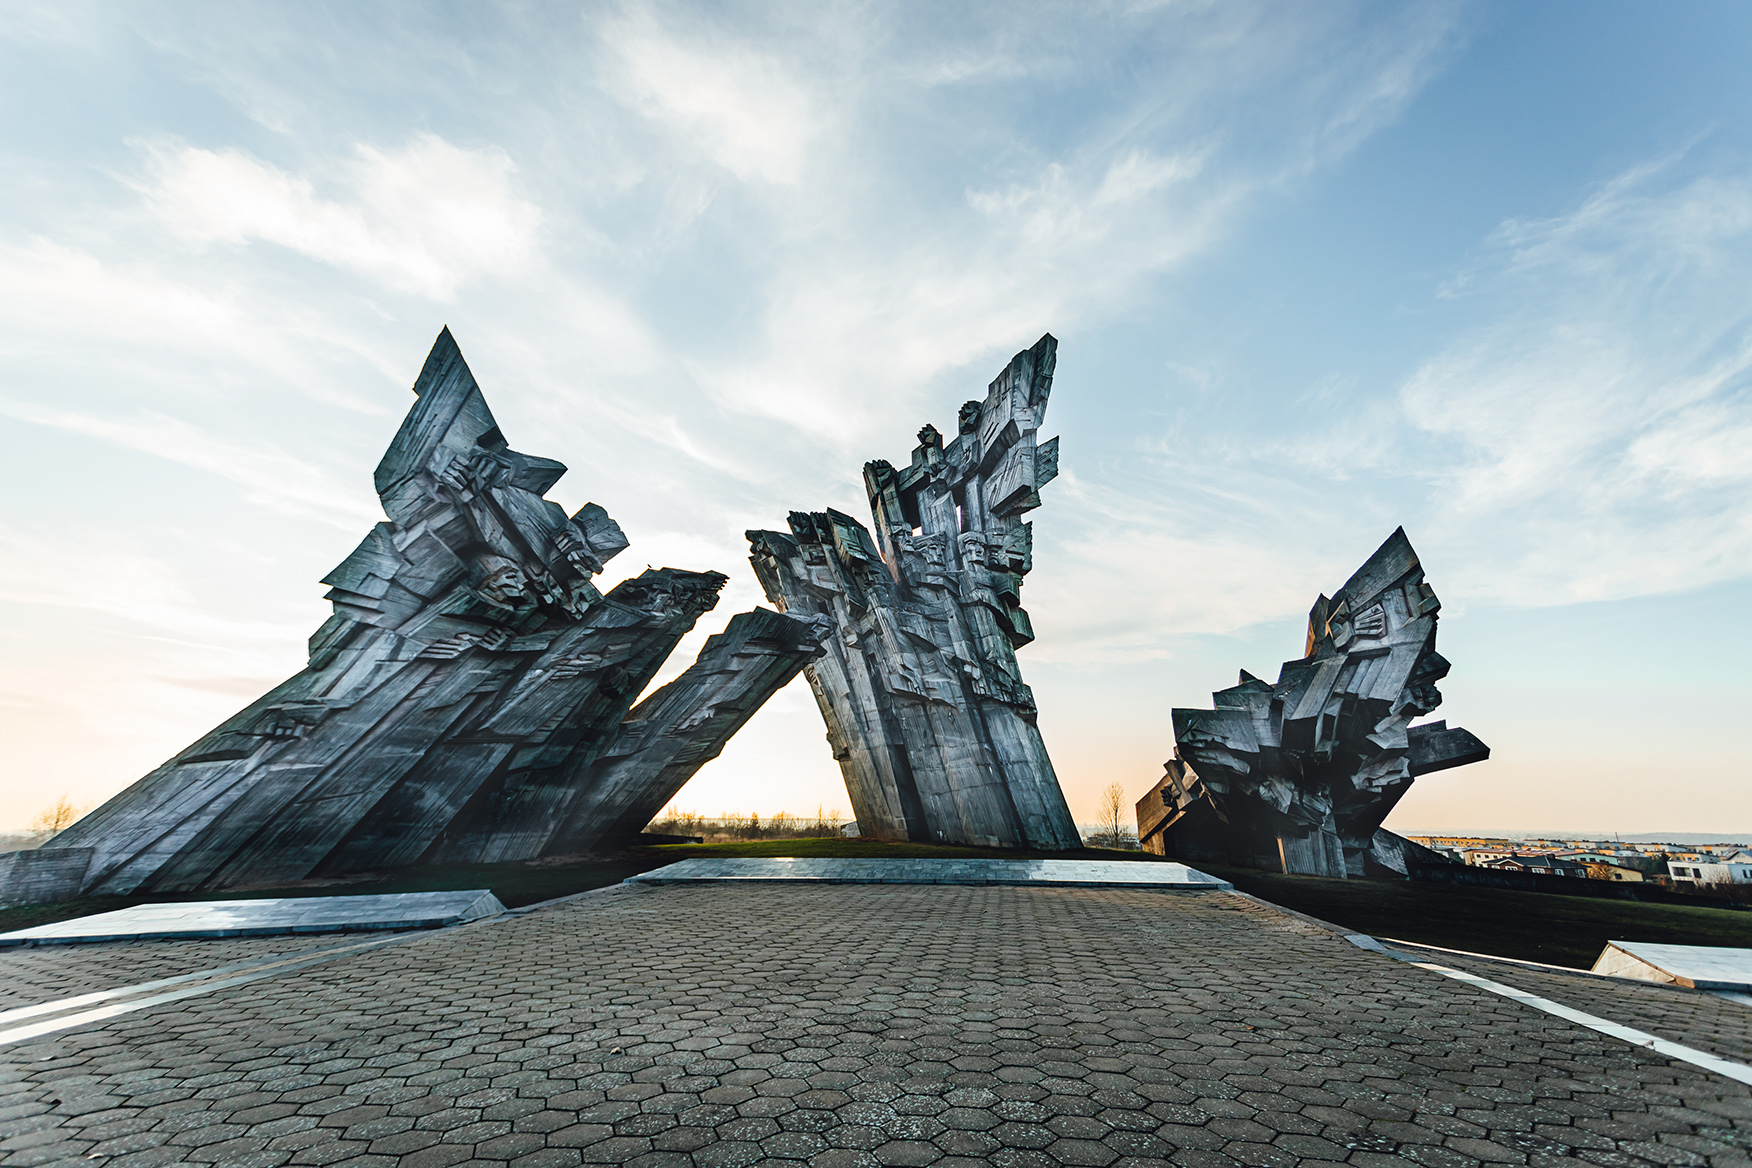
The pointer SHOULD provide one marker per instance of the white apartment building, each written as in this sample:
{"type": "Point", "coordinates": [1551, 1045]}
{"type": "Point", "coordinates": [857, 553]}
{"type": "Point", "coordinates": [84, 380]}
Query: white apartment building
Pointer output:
{"type": "Point", "coordinates": [1733, 869]}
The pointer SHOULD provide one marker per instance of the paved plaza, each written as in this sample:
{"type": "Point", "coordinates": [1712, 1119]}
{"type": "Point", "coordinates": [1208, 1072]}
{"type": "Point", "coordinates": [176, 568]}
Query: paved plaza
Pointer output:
{"type": "Point", "coordinates": [841, 1024]}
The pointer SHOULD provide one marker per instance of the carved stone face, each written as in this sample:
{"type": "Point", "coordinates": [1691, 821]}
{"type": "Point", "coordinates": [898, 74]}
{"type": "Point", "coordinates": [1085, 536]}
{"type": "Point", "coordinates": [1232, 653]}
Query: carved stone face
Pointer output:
{"type": "Point", "coordinates": [501, 581]}
{"type": "Point", "coordinates": [973, 551]}
{"type": "Point", "coordinates": [873, 578]}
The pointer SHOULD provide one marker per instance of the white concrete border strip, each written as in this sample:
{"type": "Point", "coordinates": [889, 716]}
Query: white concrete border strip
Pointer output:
{"type": "Point", "coordinates": [1569, 971]}
{"type": "Point", "coordinates": [64, 1004]}
{"type": "Point", "coordinates": [206, 981]}
{"type": "Point", "coordinates": [1739, 1072]}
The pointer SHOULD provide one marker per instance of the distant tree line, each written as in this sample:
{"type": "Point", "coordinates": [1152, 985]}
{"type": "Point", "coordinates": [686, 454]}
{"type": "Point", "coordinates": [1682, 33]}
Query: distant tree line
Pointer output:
{"type": "Point", "coordinates": [733, 825]}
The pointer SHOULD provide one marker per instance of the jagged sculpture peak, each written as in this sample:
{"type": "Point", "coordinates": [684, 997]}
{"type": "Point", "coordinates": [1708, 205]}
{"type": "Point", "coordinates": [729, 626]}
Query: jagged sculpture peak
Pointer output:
{"type": "Point", "coordinates": [926, 710]}
{"type": "Point", "coordinates": [470, 700]}
{"type": "Point", "coordinates": [1299, 775]}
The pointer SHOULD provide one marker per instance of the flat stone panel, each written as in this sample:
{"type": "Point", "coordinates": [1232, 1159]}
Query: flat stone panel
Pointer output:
{"type": "Point", "coordinates": [1060, 873]}
{"type": "Point", "coordinates": [1704, 967]}
{"type": "Point", "coordinates": [181, 920]}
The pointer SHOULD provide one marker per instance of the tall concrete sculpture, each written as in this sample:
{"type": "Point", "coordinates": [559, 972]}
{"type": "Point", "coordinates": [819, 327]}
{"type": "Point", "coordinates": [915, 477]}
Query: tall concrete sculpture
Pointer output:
{"type": "Point", "coordinates": [471, 698]}
{"type": "Point", "coordinates": [925, 707]}
{"type": "Point", "coordinates": [1299, 775]}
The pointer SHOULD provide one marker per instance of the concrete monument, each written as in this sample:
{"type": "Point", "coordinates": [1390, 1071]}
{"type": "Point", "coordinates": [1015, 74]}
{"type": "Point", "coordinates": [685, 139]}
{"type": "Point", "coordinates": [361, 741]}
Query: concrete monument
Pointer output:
{"type": "Point", "coordinates": [470, 700]}
{"type": "Point", "coordinates": [926, 709]}
{"type": "Point", "coordinates": [1298, 776]}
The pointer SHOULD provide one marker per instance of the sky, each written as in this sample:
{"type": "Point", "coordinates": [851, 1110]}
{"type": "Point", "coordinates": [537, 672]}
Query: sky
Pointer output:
{"type": "Point", "coordinates": [1316, 271]}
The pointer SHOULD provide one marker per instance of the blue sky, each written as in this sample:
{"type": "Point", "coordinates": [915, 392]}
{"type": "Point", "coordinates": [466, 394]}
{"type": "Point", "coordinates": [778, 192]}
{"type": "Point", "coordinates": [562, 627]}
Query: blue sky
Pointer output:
{"type": "Point", "coordinates": [1316, 271]}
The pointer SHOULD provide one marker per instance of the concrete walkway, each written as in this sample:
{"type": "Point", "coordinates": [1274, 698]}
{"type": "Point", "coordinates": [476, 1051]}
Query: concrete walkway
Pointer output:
{"type": "Point", "coordinates": [844, 1024]}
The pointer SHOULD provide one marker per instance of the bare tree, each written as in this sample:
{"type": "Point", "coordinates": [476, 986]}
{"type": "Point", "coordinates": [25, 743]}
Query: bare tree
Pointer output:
{"type": "Point", "coordinates": [1113, 810]}
{"type": "Point", "coordinates": [59, 817]}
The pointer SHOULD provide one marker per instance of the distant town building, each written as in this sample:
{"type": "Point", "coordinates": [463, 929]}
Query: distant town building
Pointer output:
{"type": "Point", "coordinates": [1735, 868]}
{"type": "Point", "coordinates": [1593, 857]}
{"type": "Point", "coordinates": [1666, 864]}
{"type": "Point", "coordinates": [1542, 865]}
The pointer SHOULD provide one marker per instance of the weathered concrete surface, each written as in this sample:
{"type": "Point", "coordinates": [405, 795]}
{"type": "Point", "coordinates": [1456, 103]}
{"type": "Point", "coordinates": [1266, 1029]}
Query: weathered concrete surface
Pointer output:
{"type": "Point", "coordinates": [465, 702]}
{"type": "Point", "coordinates": [856, 1025]}
{"type": "Point", "coordinates": [36, 876]}
{"type": "Point", "coordinates": [1297, 776]}
{"type": "Point", "coordinates": [926, 710]}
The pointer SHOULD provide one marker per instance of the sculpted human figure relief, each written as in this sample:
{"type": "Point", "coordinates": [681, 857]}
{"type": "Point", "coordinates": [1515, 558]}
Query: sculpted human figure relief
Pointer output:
{"type": "Point", "coordinates": [926, 710]}
{"type": "Point", "coordinates": [1300, 775]}
{"type": "Point", "coordinates": [470, 700]}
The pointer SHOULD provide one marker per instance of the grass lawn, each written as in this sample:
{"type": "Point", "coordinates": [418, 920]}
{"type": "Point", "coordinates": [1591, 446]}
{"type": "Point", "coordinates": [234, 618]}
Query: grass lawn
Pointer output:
{"type": "Point", "coordinates": [1533, 926]}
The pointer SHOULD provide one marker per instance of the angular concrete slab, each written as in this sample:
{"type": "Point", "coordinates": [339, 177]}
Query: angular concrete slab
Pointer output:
{"type": "Point", "coordinates": [260, 918]}
{"type": "Point", "coordinates": [1701, 967]}
{"type": "Point", "coordinates": [1063, 873]}
{"type": "Point", "coordinates": [468, 701]}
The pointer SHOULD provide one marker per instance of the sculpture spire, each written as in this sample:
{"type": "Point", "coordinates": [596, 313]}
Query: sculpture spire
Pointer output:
{"type": "Point", "coordinates": [1299, 775]}
{"type": "Point", "coordinates": [926, 710]}
{"type": "Point", "coordinates": [466, 701]}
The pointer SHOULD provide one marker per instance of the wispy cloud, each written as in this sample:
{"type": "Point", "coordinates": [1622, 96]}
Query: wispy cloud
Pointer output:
{"type": "Point", "coordinates": [422, 217]}
{"type": "Point", "coordinates": [738, 105]}
{"type": "Point", "coordinates": [146, 592]}
{"type": "Point", "coordinates": [1581, 434]}
{"type": "Point", "coordinates": [271, 478]}
{"type": "Point", "coordinates": [1598, 419]}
